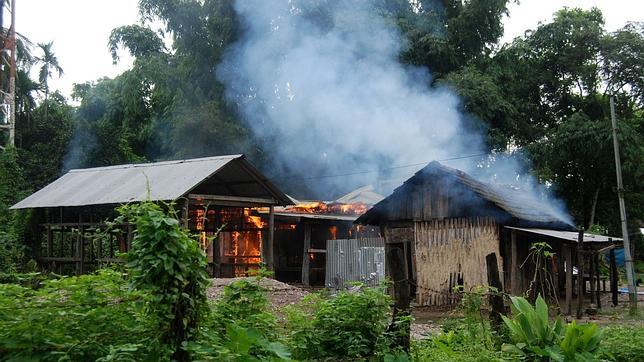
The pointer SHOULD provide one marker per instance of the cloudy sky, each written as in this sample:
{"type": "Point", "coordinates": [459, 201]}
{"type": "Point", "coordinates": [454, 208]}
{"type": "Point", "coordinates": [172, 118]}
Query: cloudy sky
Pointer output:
{"type": "Point", "coordinates": [80, 28]}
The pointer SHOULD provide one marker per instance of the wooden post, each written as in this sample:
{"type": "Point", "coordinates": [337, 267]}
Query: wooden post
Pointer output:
{"type": "Point", "coordinates": [613, 277]}
{"type": "Point", "coordinates": [496, 299]}
{"type": "Point", "coordinates": [50, 242]}
{"type": "Point", "coordinates": [395, 259]}
{"type": "Point", "coordinates": [598, 289]}
{"type": "Point", "coordinates": [580, 273]}
{"type": "Point", "coordinates": [515, 289]}
{"type": "Point", "coordinates": [81, 246]}
{"type": "Point", "coordinates": [591, 276]}
{"type": "Point", "coordinates": [568, 256]}
{"type": "Point", "coordinates": [185, 213]}
{"type": "Point", "coordinates": [305, 254]}
{"type": "Point", "coordinates": [269, 250]}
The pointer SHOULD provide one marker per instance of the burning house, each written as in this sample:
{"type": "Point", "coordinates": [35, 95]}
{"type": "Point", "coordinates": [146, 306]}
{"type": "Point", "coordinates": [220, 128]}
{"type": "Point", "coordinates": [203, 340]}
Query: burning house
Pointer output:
{"type": "Point", "coordinates": [444, 223]}
{"type": "Point", "coordinates": [224, 192]}
{"type": "Point", "coordinates": [303, 229]}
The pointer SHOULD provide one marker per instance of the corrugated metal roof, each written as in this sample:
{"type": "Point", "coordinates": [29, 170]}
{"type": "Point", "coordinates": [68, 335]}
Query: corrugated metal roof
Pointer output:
{"type": "Point", "coordinates": [518, 204]}
{"type": "Point", "coordinates": [167, 180]}
{"type": "Point", "coordinates": [569, 235]}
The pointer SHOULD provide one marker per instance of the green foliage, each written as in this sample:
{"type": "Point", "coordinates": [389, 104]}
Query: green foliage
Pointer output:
{"type": "Point", "coordinates": [12, 224]}
{"type": "Point", "coordinates": [346, 325]}
{"type": "Point", "coordinates": [240, 327]}
{"type": "Point", "coordinates": [530, 328]}
{"type": "Point", "coordinates": [580, 342]}
{"type": "Point", "coordinates": [75, 318]}
{"type": "Point", "coordinates": [622, 343]}
{"type": "Point", "coordinates": [534, 337]}
{"type": "Point", "coordinates": [455, 343]}
{"type": "Point", "coordinates": [168, 264]}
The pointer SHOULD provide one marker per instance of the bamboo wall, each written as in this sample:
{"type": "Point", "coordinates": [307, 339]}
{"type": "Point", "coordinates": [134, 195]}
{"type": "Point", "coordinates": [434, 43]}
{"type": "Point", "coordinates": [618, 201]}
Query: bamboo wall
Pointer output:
{"type": "Point", "coordinates": [451, 251]}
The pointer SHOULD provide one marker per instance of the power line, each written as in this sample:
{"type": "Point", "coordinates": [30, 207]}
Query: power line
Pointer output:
{"type": "Point", "coordinates": [584, 133]}
{"type": "Point", "coordinates": [382, 169]}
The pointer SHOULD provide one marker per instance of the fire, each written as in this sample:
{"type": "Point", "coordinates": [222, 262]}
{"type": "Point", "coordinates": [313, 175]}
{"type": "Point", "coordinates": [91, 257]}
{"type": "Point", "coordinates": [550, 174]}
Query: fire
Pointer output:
{"type": "Point", "coordinates": [334, 232]}
{"type": "Point", "coordinates": [320, 207]}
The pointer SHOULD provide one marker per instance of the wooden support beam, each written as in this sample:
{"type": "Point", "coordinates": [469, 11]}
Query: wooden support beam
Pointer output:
{"type": "Point", "coordinates": [305, 254]}
{"type": "Point", "coordinates": [569, 287]}
{"type": "Point", "coordinates": [395, 260]}
{"type": "Point", "coordinates": [597, 288]}
{"type": "Point", "coordinates": [515, 288]}
{"type": "Point", "coordinates": [613, 277]}
{"type": "Point", "coordinates": [495, 298]}
{"type": "Point", "coordinates": [50, 242]}
{"type": "Point", "coordinates": [591, 277]}
{"type": "Point", "coordinates": [268, 249]}
{"type": "Point", "coordinates": [580, 273]}
{"type": "Point", "coordinates": [252, 201]}
{"type": "Point", "coordinates": [81, 245]}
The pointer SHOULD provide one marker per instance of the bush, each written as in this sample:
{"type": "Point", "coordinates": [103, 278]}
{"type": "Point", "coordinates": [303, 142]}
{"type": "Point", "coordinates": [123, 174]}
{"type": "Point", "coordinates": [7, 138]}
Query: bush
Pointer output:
{"type": "Point", "coordinates": [347, 325]}
{"type": "Point", "coordinates": [535, 338]}
{"type": "Point", "coordinates": [457, 342]}
{"type": "Point", "coordinates": [75, 318]}
{"type": "Point", "coordinates": [168, 264]}
{"type": "Point", "coordinates": [239, 327]}
{"type": "Point", "coordinates": [622, 343]}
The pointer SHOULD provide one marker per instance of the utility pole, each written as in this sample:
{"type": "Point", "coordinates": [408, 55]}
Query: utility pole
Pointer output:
{"type": "Point", "coordinates": [8, 43]}
{"type": "Point", "coordinates": [628, 259]}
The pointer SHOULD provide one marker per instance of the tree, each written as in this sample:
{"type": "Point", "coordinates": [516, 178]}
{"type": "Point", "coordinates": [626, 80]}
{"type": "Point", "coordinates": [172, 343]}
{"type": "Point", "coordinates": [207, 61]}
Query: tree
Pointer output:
{"type": "Point", "coordinates": [49, 65]}
{"type": "Point", "coordinates": [559, 78]}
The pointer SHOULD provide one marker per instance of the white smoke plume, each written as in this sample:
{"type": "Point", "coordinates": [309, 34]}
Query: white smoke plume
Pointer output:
{"type": "Point", "coordinates": [330, 96]}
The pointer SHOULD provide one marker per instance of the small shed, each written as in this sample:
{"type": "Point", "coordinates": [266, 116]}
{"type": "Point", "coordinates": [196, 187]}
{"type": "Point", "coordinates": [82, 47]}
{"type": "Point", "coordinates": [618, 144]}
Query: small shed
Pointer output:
{"type": "Point", "coordinates": [209, 192]}
{"type": "Point", "coordinates": [445, 222]}
{"type": "Point", "coordinates": [302, 232]}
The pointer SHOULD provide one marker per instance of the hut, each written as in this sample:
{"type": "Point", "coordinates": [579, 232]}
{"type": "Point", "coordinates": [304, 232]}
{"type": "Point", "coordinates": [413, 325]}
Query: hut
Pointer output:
{"type": "Point", "coordinates": [303, 230]}
{"type": "Point", "coordinates": [444, 222]}
{"type": "Point", "coordinates": [224, 192]}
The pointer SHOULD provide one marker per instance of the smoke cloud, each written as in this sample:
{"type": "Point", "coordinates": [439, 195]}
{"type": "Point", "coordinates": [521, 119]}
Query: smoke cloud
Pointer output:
{"type": "Point", "coordinates": [326, 93]}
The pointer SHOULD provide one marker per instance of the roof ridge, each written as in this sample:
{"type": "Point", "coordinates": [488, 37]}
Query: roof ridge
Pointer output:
{"type": "Point", "coordinates": [151, 164]}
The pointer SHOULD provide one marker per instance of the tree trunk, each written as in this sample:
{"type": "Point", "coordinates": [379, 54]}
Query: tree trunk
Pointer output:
{"type": "Point", "coordinates": [593, 207]}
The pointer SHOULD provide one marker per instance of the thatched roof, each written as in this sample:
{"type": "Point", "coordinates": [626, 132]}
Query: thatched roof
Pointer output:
{"type": "Point", "coordinates": [468, 197]}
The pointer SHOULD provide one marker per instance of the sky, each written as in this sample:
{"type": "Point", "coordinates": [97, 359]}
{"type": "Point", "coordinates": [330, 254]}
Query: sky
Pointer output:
{"type": "Point", "coordinates": [80, 29]}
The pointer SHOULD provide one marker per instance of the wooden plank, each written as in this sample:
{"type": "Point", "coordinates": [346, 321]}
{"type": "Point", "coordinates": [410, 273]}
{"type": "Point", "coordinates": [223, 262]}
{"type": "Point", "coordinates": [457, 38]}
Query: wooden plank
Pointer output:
{"type": "Point", "coordinates": [568, 255]}
{"type": "Point", "coordinates": [305, 254]}
{"type": "Point", "coordinates": [246, 200]}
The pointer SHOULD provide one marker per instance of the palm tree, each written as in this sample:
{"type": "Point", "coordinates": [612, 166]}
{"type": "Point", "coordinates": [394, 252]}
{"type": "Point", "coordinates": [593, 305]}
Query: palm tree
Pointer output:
{"type": "Point", "coordinates": [49, 64]}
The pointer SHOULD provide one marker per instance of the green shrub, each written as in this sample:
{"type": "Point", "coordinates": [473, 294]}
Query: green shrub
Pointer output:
{"type": "Point", "coordinates": [240, 327]}
{"type": "Point", "coordinates": [534, 337]}
{"type": "Point", "coordinates": [622, 343]}
{"type": "Point", "coordinates": [347, 325]}
{"type": "Point", "coordinates": [168, 264]}
{"type": "Point", "coordinates": [457, 342]}
{"type": "Point", "coordinates": [75, 318]}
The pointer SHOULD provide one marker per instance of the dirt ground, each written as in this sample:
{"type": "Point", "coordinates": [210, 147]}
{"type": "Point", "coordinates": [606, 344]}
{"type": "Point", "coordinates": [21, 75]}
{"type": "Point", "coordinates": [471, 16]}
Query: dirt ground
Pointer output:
{"type": "Point", "coordinates": [281, 294]}
{"type": "Point", "coordinates": [427, 321]}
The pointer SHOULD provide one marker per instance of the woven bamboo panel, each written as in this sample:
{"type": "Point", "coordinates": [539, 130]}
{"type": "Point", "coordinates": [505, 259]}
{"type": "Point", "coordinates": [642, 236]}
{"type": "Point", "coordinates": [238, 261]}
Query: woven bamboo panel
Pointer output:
{"type": "Point", "coordinates": [450, 252]}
